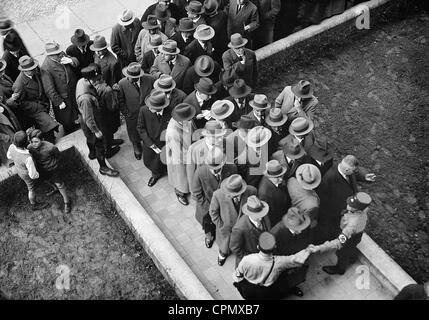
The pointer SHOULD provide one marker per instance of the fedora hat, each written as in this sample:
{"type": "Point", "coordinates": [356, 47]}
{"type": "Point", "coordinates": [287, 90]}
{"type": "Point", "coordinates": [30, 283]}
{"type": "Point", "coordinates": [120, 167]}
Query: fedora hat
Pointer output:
{"type": "Point", "coordinates": [12, 42]}
{"type": "Point", "coordinates": [211, 6]}
{"type": "Point", "coordinates": [162, 13]}
{"type": "Point", "coordinates": [239, 89]}
{"type": "Point", "coordinates": [6, 25]}
{"type": "Point", "coordinates": [213, 128]}
{"type": "Point", "coordinates": [296, 221]}
{"type": "Point", "coordinates": [151, 22]}
{"type": "Point", "coordinates": [80, 38]}
{"type": "Point", "coordinates": [126, 18]}
{"type": "Point", "coordinates": [186, 25]}
{"type": "Point", "coordinates": [155, 41]}
{"type": "Point", "coordinates": [274, 169]}
{"type": "Point", "coordinates": [99, 43]}
{"type": "Point", "coordinates": [255, 208]}
{"type": "Point", "coordinates": [204, 32]}
{"type": "Point", "coordinates": [276, 118]}
{"type": "Point", "coordinates": [359, 201]}
{"type": "Point", "coordinates": [3, 64]}
{"type": "Point", "coordinates": [260, 102]}
{"type": "Point", "coordinates": [169, 47]}
{"type": "Point", "coordinates": [52, 48]}
{"type": "Point", "coordinates": [215, 158]}
{"type": "Point", "coordinates": [183, 112]}
{"type": "Point", "coordinates": [222, 109]}
{"type": "Point", "coordinates": [206, 86]}
{"type": "Point", "coordinates": [165, 83]}
{"type": "Point", "coordinates": [133, 70]}
{"type": "Point", "coordinates": [157, 100]}
{"type": "Point", "coordinates": [204, 66]}
{"type": "Point", "coordinates": [321, 150]}
{"type": "Point", "coordinates": [301, 126]}
{"type": "Point", "coordinates": [292, 148]}
{"type": "Point", "coordinates": [27, 63]}
{"type": "Point", "coordinates": [267, 242]}
{"type": "Point", "coordinates": [227, 79]}
{"type": "Point", "coordinates": [245, 122]}
{"type": "Point", "coordinates": [258, 136]}
{"type": "Point", "coordinates": [234, 185]}
{"type": "Point", "coordinates": [308, 176]}
{"type": "Point", "coordinates": [303, 89]}
{"type": "Point", "coordinates": [195, 7]}
{"type": "Point", "coordinates": [237, 41]}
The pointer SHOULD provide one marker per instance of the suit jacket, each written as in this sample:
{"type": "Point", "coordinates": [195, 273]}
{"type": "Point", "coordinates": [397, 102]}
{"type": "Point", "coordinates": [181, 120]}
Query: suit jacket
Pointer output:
{"type": "Point", "coordinates": [247, 71]}
{"type": "Point", "coordinates": [277, 198]}
{"type": "Point", "coordinates": [123, 41]}
{"type": "Point", "coordinates": [12, 64]}
{"type": "Point", "coordinates": [147, 61]}
{"type": "Point", "coordinates": [224, 215]}
{"type": "Point", "coordinates": [85, 59]}
{"type": "Point", "coordinates": [204, 184]}
{"type": "Point", "coordinates": [6, 91]}
{"type": "Point", "coordinates": [142, 43]}
{"type": "Point", "coordinates": [268, 11]}
{"type": "Point", "coordinates": [259, 122]}
{"type": "Point", "coordinates": [291, 170]}
{"type": "Point", "coordinates": [286, 101]}
{"type": "Point", "coordinates": [245, 237]}
{"type": "Point", "coordinates": [248, 15]}
{"type": "Point", "coordinates": [8, 126]}
{"type": "Point", "coordinates": [194, 50]}
{"type": "Point", "coordinates": [110, 68]}
{"type": "Point", "coordinates": [220, 40]}
{"type": "Point", "coordinates": [307, 201]}
{"type": "Point", "coordinates": [191, 78]}
{"type": "Point", "coordinates": [236, 115]}
{"type": "Point", "coordinates": [288, 243]}
{"type": "Point", "coordinates": [160, 66]}
{"type": "Point", "coordinates": [181, 44]}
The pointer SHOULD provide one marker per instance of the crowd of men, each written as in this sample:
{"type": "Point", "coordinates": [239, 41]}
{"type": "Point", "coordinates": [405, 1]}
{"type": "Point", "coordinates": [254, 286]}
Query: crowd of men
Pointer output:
{"type": "Point", "coordinates": [266, 186]}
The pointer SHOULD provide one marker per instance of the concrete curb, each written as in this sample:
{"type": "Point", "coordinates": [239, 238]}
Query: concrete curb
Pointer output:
{"type": "Point", "coordinates": [159, 248]}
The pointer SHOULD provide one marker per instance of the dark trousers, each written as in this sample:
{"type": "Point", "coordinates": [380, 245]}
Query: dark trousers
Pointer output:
{"type": "Point", "coordinates": [133, 135]}
{"type": "Point", "coordinates": [348, 253]}
{"type": "Point", "coordinates": [208, 225]}
{"type": "Point", "coordinates": [94, 144]}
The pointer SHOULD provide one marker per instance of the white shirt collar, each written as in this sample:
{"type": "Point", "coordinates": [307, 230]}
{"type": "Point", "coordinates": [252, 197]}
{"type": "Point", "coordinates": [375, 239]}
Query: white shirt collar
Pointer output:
{"type": "Point", "coordinates": [256, 116]}
{"type": "Point", "coordinates": [201, 43]}
{"type": "Point", "coordinates": [342, 174]}
{"type": "Point", "coordinates": [299, 139]}
{"type": "Point", "coordinates": [288, 159]}
{"type": "Point", "coordinates": [199, 99]}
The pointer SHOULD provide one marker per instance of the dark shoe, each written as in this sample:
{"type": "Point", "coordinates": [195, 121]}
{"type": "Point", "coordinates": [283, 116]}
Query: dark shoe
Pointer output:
{"type": "Point", "coordinates": [67, 207]}
{"type": "Point", "coordinates": [182, 199]}
{"type": "Point", "coordinates": [296, 291]}
{"type": "Point", "coordinates": [112, 151]}
{"type": "Point", "coordinates": [109, 172]}
{"type": "Point", "coordinates": [39, 206]}
{"type": "Point", "coordinates": [117, 142]}
{"type": "Point", "coordinates": [92, 155]}
{"type": "Point", "coordinates": [221, 261]}
{"type": "Point", "coordinates": [138, 156]}
{"type": "Point", "coordinates": [52, 192]}
{"type": "Point", "coordinates": [152, 181]}
{"type": "Point", "coordinates": [209, 242]}
{"type": "Point", "coordinates": [333, 270]}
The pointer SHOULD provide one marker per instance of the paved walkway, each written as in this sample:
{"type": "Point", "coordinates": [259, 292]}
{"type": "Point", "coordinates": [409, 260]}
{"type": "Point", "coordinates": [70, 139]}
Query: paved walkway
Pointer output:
{"type": "Point", "coordinates": [176, 221]}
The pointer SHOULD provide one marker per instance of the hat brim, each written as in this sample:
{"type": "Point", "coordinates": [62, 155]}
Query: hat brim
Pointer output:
{"type": "Point", "coordinates": [256, 215]}
{"type": "Point", "coordinates": [54, 52]}
{"type": "Point", "coordinates": [213, 91]}
{"type": "Point", "coordinates": [201, 12]}
{"type": "Point", "coordinates": [230, 45]}
{"type": "Point", "coordinates": [276, 175]}
{"type": "Point", "coordinates": [260, 143]}
{"type": "Point", "coordinates": [93, 48]}
{"type": "Point", "coordinates": [296, 156]}
{"type": "Point", "coordinates": [126, 74]}
{"type": "Point", "coordinates": [234, 94]}
{"type": "Point", "coordinates": [76, 42]}
{"type": "Point", "coordinates": [295, 91]}
{"type": "Point", "coordinates": [149, 27]}
{"type": "Point", "coordinates": [233, 194]}
{"type": "Point", "coordinates": [147, 103]}
{"type": "Point", "coordinates": [127, 23]}
{"type": "Point", "coordinates": [303, 226]}
{"type": "Point", "coordinates": [206, 133]}
{"type": "Point", "coordinates": [227, 114]}
{"type": "Point", "coordinates": [275, 124]}
{"type": "Point", "coordinates": [305, 185]}
{"type": "Point", "coordinates": [156, 86]}
{"type": "Point", "coordinates": [161, 49]}
{"type": "Point", "coordinates": [36, 64]}
{"type": "Point", "coordinates": [309, 129]}
{"type": "Point", "coordinates": [268, 106]}
{"type": "Point", "coordinates": [176, 117]}
{"type": "Point", "coordinates": [10, 27]}
{"type": "Point", "coordinates": [187, 30]}
{"type": "Point", "coordinates": [209, 37]}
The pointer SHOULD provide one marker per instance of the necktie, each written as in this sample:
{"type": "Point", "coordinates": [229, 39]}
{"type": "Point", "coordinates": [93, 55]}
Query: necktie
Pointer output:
{"type": "Point", "coordinates": [291, 163]}
{"type": "Point", "coordinates": [238, 8]}
{"type": "Point", "coordinates": [236, 204]}
{"type": "Point", "coordinates": [159, 116]}
{"type": "Point", "coordinates": [137, 86]}
{"type": "Point", "coordinates": [170, 64]}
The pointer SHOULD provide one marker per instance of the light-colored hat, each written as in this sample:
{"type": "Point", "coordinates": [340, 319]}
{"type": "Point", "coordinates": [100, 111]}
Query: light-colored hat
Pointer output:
{"type": "Point", "coordinates": [204, 66]}
{"type": "Point", "coordinates": [133, 70]}
{"type": "Point", "coordinates": [274, 169]}
{"type": "Point", "coordinates": [99, 43]}
{"type": "Point", "coordinates": [260, 102]}
{"type": "Point", "coordinates": [155, 41]}
{"type": "Point", "coordinates": [308, 176]}
{"type": "Point", "coordinates": [52, 48]}
{"type": "Point", "coordinates": [237, 41]}
{"type": "Point", "coordinates": [126, 18]}
{"type": "Point", "coordinates": [296, 221]}
{"type": "Point", "coordinates": [301, 126]}
{"type": "Point", "coordinates": [26, 63]}
{"type": "Point", "coordinates": [204, 32]}
{"type": "Point", "coordinates": [165, 83]}
{"type": "Point", "coordinates": [169, 47]}
{"type": "Point", "coordinates": [276, 118]}
{"type": "Point", "coordinates": [258, 136]}
{"type": "Point", "coordinates": [215, 158]}
{"type": "Point", "coordinates": [291, 147]}
{"type": "Point", "coordinates": [255, 208]}
{"type": "Point", "coordinates": [222, 109]}
{"type": "Point", "coordinates": [234, 185]}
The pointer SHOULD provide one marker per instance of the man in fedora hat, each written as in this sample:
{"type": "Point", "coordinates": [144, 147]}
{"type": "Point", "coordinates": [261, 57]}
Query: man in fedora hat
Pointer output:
{"type": "Point", "coordinates": [178, 138]}
{"type": "Point", "coordinates": [167, 24]}
{"type": "Point", "coordinates": [90, 119]}
{"type": "Point", "coordinates": [301, 189]}
{"type": "Point", "coordinates": [13, 50]}
{"type": "Point", "coordinates": [7, 32]}
{"type": "Point", "coordinates": [297, 100]}
{"type": "Point", "coordinates": [260, 106]}
{"type": "Point", "coordinates": [217, 19]}
{"type": "Point", "coordinates": [170, 62]}
{"type": "Point", "coordinates": [201, 45]}
{"type": "Point", "coordinates": [155, 40]}
{"type": "Point", "coordinates": [224, 83]}
{"type": "Point", "coordinates": [200, 98]}
{"type": "Point", "coordinates": [276, 121]}
{"type": "Point", "coordinates": [150, 28]}
{"type": "Point", "coordinates": [292, 235]}
{"type": "Point", "coordinates": [322, 154]}
{"type": "Point", "coordinates": [195, 11]}
{"type": "Point", "coordinates": [273, 191]}
{"type": "Point", "coordinates": [240, 61]}
{"type": "Point", "coordinates": [291, 156]}
{"type": "Point", "coordinates": [80, 49]}
{"type": "Point", "coordinates": [236, 147]}
{"type": "Point", "coordinates": [207, 179]}
{"type": "Point", "coordinates": [264, 276]}
{"type": "Point", "coordinates": [349, 233]}
{"type": "Point", "coordinates": [339, 183]}
{"type": "Point", "coordinates": [104, 58]}
{"type": "Point", "coordinates": [214, 136]}
{"type": "Point", "coordinates": [226, 208]}
{"type": "Point", "coordinates": [240, 94]}
{"type": "Point", "coordinates": [302, 129]}
{"type": "Point", "coordinates": [133, 90]}
{"type": "Point", "coordinates": [124, 37]}
{"type": "Point", "coordinates": [268, 11]}
{"type": "Point", "coordinates": [245, 233]}
{"type": "Point", "coordinates": [243, 17]}
{"type": "Point", "coordinates": [166, 84]}
{"type": "Point", "coordinates": [221, 111]}
{"type": "Point", "coordinates": [29, 99]}
{"type": "Point", "coordinates": [204, 66]}
{"type": "Point", "coordinates": [152, 122]}
{"type": "Point", "coordinates": [61, 68]}
{"type": "Point", "coordinates": [185, 34]}
{"type": "Point", "coordinates": [176, 11]}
